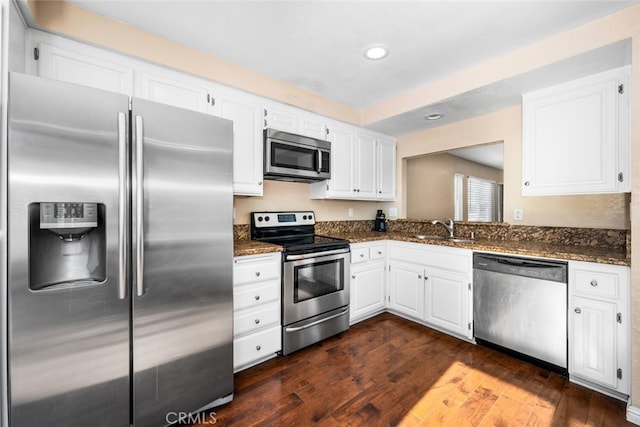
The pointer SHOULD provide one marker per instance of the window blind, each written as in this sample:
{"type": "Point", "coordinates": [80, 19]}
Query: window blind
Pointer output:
{"type": "Point", "coordinates": [480, 194]}
{"type": "Point", "coordinates": [458, 197]}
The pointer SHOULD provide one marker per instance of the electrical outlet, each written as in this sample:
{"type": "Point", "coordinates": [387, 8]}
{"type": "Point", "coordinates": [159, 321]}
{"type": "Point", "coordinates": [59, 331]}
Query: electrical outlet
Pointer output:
{"type": "Point", "coordinates": [350, 212]}
{"type": "Point", "coordinates": [393, 212]}
{"type": "Point", "coordinates": [517, 214]}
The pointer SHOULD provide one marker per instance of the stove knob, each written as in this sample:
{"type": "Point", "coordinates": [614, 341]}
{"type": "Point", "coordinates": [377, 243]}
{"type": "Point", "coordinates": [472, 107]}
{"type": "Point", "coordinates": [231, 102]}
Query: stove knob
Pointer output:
{"type": "Point", "coordinates": [304, 217]}
{"type": "Point", "coordinates": [266, 218]}
{"type": "Point", "coordinates": [259, 219]}
{"type": "Point", "coordinates": [310, 217]}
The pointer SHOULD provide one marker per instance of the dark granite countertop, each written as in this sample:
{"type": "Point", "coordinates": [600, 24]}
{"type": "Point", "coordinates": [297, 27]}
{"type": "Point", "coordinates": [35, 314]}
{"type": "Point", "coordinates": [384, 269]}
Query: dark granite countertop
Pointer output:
{"type": "Point", "coordinates": [545, 250]}
{"type": "Point", "coordinates": [253, 247]}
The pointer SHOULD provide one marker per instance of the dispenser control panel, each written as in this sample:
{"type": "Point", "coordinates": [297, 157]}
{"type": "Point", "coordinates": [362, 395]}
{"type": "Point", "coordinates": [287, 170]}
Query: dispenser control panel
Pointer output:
{"type": "Point", "coordinates": [68, 215]}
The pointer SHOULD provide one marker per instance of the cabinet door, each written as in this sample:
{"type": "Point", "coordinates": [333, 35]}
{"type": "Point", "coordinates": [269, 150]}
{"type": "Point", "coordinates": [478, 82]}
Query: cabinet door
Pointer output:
{"type": "Point", "coordinates": [178, 90]}
{"type": "Point", "coordinates": [406, 289]}
{"type": "Point", "coordinates": [342, 183]}
{"type": "Point", "coordinates": [446, 301]}
{"type": "Point", "coordinates": [247, 143]}
{"type": "Point", "coordinates": [386, 169]}
{"type": "Point", "coordinates": [572, 134]}
{"type": "Point", "coordinates": [366, 176]}
{"type": "Point", "coordinates": [73, 67]}
{"type": "Point", "coordinates": [367, 292]}
{"type": "Point", "coordinates": [312, 126]}
{"type": "Point", "coordinates": [282, 119]}
{"type": "Point", "coordinates": [592, 340]}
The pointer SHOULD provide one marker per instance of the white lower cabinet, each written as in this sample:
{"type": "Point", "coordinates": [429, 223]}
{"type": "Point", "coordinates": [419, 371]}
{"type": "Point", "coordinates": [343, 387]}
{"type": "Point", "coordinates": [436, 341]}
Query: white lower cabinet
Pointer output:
{"type": "Point", "coordinates": [367, 293]}
{"type": "Point", "coordinates": [432, 284]}
{"type": "Point", "coordinates": [406, 288]}
{"type": "Point", "coordinates": [257, 328]}
{"type": "Point", "coordinates": [599, 327]}
{"type": "Point", "coordinates": [447, 299]}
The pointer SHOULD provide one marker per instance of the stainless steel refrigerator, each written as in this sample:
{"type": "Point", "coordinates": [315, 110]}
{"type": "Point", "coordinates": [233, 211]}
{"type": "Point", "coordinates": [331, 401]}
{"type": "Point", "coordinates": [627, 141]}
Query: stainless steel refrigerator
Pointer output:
{"type": "Point", "coordinates": [119, 258]}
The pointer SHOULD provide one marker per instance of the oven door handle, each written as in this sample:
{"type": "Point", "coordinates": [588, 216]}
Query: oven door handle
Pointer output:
{"type": "Point", "coordinates": [315, 254]}
{"type": "Point", "coordinates": [299, 328]}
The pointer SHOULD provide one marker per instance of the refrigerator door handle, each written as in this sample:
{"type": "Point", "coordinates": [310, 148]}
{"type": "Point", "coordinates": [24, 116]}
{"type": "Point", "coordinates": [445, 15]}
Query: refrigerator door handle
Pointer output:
{"type": "Point", "coordinates": [122, 206]}
{"type": "Point", "coordinates": [139, 208]}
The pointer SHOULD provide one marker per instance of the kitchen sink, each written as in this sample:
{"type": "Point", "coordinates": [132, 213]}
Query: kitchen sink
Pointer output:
{"type": "Point", "coordinates": [425, 237]}
{"type": "Point", "coordinates": [448, 239]}
{"type": "Point", "coordinates": [456, 240]}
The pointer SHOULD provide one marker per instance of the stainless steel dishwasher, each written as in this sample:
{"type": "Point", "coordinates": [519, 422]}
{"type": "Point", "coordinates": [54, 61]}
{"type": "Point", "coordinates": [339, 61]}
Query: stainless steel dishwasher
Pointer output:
{"type": "Point", "coordinates": [520, 304]}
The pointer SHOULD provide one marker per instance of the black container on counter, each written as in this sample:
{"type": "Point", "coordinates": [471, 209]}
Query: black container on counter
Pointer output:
{"type": "Point", "coordinates": [381, 221]}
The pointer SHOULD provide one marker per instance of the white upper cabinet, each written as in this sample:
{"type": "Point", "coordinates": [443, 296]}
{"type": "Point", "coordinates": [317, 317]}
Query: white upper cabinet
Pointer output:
{"type": "Point", "coordinates": [295, 121]}
{"type": "Point", "coordinates": [386, 168]}
{"type": "Point", "coordinates": [175, 89]}
{"type": "Point", "coordinates": [363, 165]}
{"type": "Point", "coordinates": [246, 114]}
{"type": "Point", "coordinates": [84, 67]}
{"type": "Point", "coordinates": [576, 136]}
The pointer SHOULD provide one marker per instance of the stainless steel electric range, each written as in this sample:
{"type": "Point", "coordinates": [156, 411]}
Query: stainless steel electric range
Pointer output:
{"type": "Point", "coordinates": [315, 277]}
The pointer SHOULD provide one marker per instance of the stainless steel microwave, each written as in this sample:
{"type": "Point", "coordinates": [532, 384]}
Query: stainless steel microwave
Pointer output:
{"type": "Point", "coordinates": [290, 157]}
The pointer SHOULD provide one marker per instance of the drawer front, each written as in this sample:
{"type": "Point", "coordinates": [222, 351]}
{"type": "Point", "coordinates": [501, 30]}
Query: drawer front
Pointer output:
{"type": "Point", "coordinates": [597, 283]}
{"type": "Point", "coordinates": [359, 255]}
{"type": "Point", "coordinates": [255, 319]}
{"type": "Point", "coordinates": [252, 269]}
{"type": "Point", "coordinates": [377, 252]}
{"type": "Point", "coordinates": [255, 294]}
{"type": "Point", "coordinates": [256, 346]}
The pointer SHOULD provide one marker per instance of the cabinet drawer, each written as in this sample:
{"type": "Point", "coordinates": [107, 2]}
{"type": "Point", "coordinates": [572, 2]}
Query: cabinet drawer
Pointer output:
{"type": "Point", "coordinates": [252, 295]}
{"type": "Point", "coordinates": [252, 320]}
{"type": "Point", "coordinates": [251, 269]}
{"type": "Point", "coordinates": [359, 255]}
{"type": "Point", "coordinates": [597, 283]}
{"type": "Point", "coordinates": [256, 346]}
{"type": "Point", "coordinates": [377, 252]}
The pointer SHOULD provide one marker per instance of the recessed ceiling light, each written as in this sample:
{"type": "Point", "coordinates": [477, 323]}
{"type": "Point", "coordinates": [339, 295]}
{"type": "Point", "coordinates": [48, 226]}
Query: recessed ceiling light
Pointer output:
{"type": "Point", "coordinates": [377, 51]}
{"type": "Point", "coordinates": [433, 116]}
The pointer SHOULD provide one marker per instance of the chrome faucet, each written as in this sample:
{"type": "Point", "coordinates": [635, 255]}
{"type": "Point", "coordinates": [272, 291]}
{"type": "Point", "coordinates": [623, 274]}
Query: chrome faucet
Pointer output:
{"type": "Point", "coordinates": [448, 225]}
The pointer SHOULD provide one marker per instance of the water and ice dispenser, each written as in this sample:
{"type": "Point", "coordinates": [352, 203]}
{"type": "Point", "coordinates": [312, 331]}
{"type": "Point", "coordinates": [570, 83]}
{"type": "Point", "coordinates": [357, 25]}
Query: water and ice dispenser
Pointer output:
{"type": "Point", "coordinates": [67, 244]}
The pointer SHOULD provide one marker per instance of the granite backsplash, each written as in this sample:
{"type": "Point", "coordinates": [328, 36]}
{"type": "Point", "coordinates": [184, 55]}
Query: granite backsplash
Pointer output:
{"type": "Point", "coordinates": [616, 240]}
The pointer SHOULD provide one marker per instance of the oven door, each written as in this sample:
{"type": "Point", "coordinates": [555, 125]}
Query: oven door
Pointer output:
{"type": "Point", "coordinates": [314, 284]}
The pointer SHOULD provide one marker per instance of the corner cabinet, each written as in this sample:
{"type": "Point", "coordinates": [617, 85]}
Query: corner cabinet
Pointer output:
{"type": "Point", "coordinates": [599, 327]}
{"type": "Point", "coordinates": [432, 284]}
{"type": "Point", "coordinates": [363, 166]}
{"type": "Point", "coordinates": [576, 136]}
{"type": "Point", "coordinates": [257, 328]}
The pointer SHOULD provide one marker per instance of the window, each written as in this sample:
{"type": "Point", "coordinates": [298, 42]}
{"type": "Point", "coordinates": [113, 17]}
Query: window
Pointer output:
{"type": "Point", "coordinates": [480, 194]}
{"type": "Point", "coordinates": [458, 197]}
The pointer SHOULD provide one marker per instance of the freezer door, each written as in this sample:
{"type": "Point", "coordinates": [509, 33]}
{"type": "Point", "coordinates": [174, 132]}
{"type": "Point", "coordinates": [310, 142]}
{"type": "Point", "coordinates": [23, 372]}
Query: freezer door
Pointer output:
{"type": "Point", "coordinates": [182, 265]}
{"type": "Point", "coordinates": [68, 325]}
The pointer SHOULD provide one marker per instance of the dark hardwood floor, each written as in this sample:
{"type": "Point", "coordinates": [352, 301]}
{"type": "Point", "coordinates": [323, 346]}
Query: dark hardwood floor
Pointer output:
{"type": "Point", "coordinates": [390, 371]}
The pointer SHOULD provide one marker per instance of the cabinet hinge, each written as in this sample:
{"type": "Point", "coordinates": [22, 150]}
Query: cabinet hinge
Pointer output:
{"type": "Point", "coordinates": [469, 287]}
{"type": "Point", "coordinates": [619, 317]}
{"type": "Point", "coordinates": [620, 177]}
{"type": "Point", "coordinates": [36, 53]}
{"type": "Point", "coordinates": [619, 374]}
{"type": "Point", "coordinates": [326, 131]}
{"type": "Point", "coordinates": [389, 268]}
{"type": "Point", "coordinates": [621, 89]}
{"type": "Point", "coordinates": [469, 325]}
{"type": "Point", "coordinates": [265, 112]}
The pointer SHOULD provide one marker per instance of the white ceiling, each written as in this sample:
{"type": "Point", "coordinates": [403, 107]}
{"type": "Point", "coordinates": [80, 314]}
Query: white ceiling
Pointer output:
{"type": "Point", "coordinates": [318, 45]}
{"type": "Point", "coordinates": [489, 155]}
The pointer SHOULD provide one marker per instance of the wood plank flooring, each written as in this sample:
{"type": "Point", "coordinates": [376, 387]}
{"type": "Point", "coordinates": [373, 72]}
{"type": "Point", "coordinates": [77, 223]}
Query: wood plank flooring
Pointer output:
{"type": "Point", "coordinates": [390, 371]}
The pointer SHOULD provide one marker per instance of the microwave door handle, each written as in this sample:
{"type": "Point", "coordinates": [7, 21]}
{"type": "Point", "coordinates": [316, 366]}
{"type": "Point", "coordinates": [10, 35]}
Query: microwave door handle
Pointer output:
{"type": "Point", "coordinates": [319, 160]}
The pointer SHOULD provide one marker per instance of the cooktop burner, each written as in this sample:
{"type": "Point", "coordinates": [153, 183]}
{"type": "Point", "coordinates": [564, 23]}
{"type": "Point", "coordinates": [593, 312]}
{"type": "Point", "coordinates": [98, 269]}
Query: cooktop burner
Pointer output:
{"type": "Point", "coordinates": [295, 231]}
